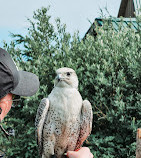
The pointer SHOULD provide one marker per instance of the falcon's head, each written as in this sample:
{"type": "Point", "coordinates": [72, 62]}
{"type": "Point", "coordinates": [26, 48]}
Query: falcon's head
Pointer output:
{"type": "Point", "coordinates": [66, 77]}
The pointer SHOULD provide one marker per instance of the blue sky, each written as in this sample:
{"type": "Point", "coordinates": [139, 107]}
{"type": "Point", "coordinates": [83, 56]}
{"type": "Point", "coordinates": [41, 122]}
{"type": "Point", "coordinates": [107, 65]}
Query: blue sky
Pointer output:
{"type": "Point", "coordinates": [74, 13]}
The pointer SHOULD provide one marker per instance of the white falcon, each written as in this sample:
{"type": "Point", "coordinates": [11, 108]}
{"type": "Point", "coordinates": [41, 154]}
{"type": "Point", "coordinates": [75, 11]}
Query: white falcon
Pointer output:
{"type": "Point", "coordinates": [63, 120]}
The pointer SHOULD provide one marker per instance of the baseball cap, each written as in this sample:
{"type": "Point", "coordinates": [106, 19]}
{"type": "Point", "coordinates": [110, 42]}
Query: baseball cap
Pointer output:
{"type": "Point", "coordinates": [13, 81]}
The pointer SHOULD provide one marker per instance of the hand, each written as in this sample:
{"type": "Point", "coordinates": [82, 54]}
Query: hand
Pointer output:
{"type": "Point", "coordinates": [84, 152]}
{"type": "Point", "coordinates": [5, 105]}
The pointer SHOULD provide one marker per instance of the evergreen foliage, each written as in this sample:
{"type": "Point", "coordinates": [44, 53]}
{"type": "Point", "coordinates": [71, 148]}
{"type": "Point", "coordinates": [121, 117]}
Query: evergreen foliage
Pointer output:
{"type": "Point", "coordinates": [109, 72]}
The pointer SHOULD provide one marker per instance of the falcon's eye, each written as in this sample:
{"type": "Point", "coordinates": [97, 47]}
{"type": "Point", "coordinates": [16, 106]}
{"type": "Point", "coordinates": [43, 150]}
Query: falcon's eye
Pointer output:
{"type": "Point", "coordinates": [68, 73]}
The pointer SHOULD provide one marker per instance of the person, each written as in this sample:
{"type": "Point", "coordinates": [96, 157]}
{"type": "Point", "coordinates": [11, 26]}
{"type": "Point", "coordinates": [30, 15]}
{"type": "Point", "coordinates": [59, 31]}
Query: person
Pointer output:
{"type": "Point", "coordinates": [14, 82]}
{"type": "Point", "coordinates": [22, 83]}
{"type": "Point", "coordinates": [83, 152]}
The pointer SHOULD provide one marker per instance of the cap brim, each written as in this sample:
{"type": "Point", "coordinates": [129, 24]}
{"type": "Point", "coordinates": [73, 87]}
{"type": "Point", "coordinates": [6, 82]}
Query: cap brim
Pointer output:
{"type": "Point", "coordinates": [28, 84]}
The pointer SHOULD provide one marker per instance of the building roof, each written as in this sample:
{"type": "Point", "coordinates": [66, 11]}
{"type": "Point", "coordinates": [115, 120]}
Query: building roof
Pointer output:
{"type": "Point", "coordinates": [127, 22]}
{"type": "Point", "coordinates": [129, 8]}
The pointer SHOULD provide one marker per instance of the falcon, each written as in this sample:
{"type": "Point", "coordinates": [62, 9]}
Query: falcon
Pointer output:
{"type": "Point", "coordinates": [63, 120]}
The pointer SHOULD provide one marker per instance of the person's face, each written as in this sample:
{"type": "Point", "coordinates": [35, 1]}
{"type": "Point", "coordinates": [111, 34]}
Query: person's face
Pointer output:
{"type": "Point", "coordinates": [5, 105]}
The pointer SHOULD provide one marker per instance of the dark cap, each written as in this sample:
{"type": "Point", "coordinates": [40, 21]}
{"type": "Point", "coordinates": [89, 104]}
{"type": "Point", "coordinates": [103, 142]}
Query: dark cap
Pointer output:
{"type": "Point", "coordinates": [14, 81]}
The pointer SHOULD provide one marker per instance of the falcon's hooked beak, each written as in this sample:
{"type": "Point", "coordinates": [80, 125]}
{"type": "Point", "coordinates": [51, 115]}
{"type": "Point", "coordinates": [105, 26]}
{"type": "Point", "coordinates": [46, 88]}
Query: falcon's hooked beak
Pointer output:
{"type": "Point", "coordinates": [59, 77]}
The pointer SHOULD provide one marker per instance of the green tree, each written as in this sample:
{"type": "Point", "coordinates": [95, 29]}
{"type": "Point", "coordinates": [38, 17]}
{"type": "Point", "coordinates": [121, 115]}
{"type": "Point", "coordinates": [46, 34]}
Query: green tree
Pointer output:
{"type": "Point", "coordinates": [109, 72]}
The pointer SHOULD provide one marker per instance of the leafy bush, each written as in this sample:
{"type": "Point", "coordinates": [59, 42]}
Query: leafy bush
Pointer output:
{"type": "Point", "coordinates": [109, 72]}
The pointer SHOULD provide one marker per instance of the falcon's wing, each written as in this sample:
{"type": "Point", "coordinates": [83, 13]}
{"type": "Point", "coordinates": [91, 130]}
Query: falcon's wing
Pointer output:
{"type": "Point", "coordinates": [40, 119]}
{"type": "Point", "coordinates": [86, 123]}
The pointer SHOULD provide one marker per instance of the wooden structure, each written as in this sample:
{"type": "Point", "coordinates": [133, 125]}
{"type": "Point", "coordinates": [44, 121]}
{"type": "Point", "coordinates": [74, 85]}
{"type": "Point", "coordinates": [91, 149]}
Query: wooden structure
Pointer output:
{"type": "Point", "coordinates": [129, 8]}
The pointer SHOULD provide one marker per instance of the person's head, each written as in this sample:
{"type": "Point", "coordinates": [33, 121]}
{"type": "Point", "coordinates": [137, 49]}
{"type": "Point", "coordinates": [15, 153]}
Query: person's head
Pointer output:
{"type": "Point", "coordinates": [14, 82]}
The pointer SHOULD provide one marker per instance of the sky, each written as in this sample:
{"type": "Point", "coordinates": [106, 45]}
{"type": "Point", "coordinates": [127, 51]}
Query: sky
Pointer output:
{"type": "Point", "coordinates": [76, 14]}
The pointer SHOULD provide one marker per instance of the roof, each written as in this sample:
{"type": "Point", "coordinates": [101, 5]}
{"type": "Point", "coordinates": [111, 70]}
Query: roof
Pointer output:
{"type": "Point", "coordinates": [127, 22]}
{"type": "Point", "coordinates": [129, 8]}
